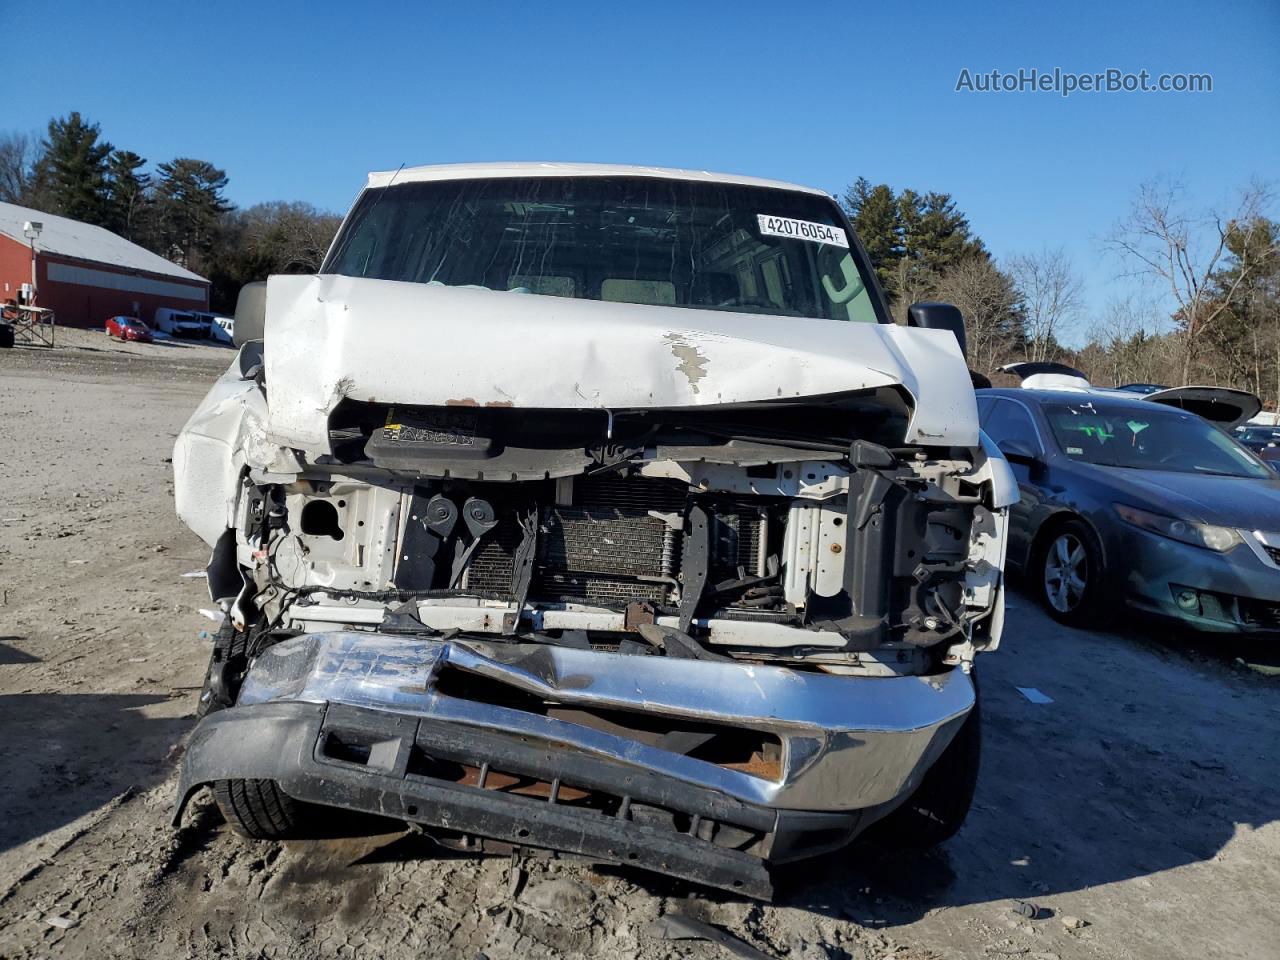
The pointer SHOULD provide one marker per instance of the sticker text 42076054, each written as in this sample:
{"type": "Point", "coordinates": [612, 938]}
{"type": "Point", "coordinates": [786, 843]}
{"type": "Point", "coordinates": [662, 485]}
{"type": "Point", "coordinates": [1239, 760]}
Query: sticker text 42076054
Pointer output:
{"type": "Point", "coordinates": [801, 230]}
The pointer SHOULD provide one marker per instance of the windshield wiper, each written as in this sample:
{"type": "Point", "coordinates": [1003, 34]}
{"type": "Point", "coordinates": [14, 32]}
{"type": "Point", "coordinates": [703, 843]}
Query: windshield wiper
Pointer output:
{"type": "Point", "coordinates": [1194, 470]}
{"type": "Point", "coordinates": [1222, 473]}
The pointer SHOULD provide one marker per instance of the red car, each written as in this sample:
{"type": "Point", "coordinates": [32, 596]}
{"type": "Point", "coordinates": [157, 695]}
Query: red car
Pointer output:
{"type": "Point", "coordinates": [128, 328]}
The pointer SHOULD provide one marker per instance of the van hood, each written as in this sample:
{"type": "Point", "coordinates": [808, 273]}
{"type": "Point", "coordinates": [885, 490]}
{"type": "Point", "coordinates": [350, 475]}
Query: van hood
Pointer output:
{"type": "Point", "coordinates": [333, 337]}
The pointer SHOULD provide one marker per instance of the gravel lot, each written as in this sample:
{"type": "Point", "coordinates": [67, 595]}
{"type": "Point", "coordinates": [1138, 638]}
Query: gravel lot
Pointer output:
{"type": "Point", "coordinates": [1137, 811]}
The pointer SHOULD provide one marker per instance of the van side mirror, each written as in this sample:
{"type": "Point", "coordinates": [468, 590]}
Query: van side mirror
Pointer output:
{"type": "Point", "coordinates": [251, 313]}
{"type": "Point", "coordinates": [938, 316]}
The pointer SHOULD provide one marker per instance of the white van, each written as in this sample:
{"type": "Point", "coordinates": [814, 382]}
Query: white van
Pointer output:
{"type": "Point", "coordinates": [615, 481]}
{"type": "Point", "coordinates": [221, 329]}
{"type": "Point", "coordinates": [181, 323]}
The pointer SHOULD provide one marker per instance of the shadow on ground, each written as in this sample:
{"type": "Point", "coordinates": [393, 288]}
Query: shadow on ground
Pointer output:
{"type": "Point", "coordinates": [1137, 767]}
{"type": "Point", "coordinates": [10, 654]}
{"type": "Point", "coordinates": [66, 754]}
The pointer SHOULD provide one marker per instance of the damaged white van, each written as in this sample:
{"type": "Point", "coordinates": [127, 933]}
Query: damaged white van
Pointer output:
{"type": "Point", "coordinates": [600, 510]}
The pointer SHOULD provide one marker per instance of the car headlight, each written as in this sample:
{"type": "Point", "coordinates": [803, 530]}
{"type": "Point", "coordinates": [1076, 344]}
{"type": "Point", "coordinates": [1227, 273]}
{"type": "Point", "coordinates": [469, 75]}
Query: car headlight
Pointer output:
{"type": "Point", "coordinates": [1208, 535]}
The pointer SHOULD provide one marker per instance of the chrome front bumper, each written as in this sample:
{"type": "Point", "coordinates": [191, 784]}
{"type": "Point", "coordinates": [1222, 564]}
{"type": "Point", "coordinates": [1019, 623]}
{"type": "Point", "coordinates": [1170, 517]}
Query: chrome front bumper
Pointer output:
{"type": "Point", "coordinates": [848, 742]}
{"type": "Point", "coordinates": [851, 747]}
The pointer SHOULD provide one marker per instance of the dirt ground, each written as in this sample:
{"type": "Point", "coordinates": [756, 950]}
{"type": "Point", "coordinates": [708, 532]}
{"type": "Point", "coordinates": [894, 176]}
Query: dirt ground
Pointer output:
{"type": "Point", "coordinates": [1137, 811]}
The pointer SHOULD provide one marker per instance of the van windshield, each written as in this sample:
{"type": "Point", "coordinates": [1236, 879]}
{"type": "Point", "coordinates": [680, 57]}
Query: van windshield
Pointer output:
{"type": "Point", "coordinates": [682, 243]}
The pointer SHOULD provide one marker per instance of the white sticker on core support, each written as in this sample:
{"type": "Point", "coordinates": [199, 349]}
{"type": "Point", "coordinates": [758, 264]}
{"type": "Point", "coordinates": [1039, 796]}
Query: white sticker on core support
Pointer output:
{"type": "Point", "coordinates": [801, 230]}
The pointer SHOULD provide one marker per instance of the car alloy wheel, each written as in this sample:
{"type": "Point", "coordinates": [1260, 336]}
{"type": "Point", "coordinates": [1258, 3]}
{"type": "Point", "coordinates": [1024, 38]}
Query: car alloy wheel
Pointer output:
{"type": "Point", "coordinates": [1066, 572]}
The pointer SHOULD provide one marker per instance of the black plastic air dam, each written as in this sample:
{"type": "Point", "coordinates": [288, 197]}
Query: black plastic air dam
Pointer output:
{"type": "Point", "coordinates": [286, 742]}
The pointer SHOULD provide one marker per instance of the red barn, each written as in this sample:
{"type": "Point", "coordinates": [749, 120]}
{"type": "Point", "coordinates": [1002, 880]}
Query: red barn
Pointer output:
{"type": "Point", "coordinates": [86, 274]}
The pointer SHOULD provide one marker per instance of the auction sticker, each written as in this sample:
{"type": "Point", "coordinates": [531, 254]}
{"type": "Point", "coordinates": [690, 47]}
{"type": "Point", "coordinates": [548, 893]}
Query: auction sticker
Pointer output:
{"type": "Point", "coordinates": [801, 230]}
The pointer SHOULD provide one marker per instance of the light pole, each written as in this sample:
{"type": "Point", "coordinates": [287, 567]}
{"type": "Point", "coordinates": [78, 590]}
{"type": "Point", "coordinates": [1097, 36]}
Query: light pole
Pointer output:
{"type": "Point", "coordinates": [31, 230]}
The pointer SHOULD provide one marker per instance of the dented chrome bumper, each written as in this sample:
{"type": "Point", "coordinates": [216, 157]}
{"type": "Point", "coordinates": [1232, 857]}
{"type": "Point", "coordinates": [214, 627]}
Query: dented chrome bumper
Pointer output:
{"type": "Point", "coordinates": [847, 742]}
{"type": "Point", "coordinates": [359, 721]}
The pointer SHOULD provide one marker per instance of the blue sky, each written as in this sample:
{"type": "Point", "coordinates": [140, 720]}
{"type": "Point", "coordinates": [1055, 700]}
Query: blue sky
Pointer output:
{"type": "Point", "coordinates": [298, 101]}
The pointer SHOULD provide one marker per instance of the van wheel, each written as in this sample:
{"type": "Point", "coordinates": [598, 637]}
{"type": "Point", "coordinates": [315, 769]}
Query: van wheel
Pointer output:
{"type": "Point", "coordinates": [260, 810]}
{"type": "Point", "coordinates": [940, 804]}
{"type": "Point", "coordinates": [1068, 574]}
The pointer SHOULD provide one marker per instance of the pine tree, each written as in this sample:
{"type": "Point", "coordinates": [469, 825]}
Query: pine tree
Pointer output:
{"type": "Point", "coordinates": [934, 233]}
{"type": "Point", "coordinates": [71, 176]}
{"type": "Point", "coordinates": [189, 206]}
{"type": "Point", "coordinates": [1245, 338]}
{"type": "Point", "coordinates": [911, 238]}
{"type": "Point", "coordinates": [874, 212]}
{"type": "Point", "coordinates": [126, 193]}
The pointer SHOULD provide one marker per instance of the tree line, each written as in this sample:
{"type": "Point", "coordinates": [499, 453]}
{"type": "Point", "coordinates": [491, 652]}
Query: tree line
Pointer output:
{"type": "Point", "coordinates": [178, 210]}
{"type": "Point", "coordinates": [1220, 269]}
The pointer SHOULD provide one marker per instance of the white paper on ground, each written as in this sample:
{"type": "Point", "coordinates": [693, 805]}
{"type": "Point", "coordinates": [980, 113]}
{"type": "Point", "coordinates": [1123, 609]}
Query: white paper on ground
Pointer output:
{"type": "Point", "coordinates": [1034, 695]}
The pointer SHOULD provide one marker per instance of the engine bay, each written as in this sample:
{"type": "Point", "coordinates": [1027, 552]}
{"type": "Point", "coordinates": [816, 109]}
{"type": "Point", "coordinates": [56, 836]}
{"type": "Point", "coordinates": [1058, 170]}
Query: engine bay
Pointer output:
{"type": "Point", "coordinates": [729, 534]}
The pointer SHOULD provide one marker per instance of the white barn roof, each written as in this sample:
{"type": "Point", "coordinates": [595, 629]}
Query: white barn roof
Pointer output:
{"type": "Point", "coordinates": [71, 238]}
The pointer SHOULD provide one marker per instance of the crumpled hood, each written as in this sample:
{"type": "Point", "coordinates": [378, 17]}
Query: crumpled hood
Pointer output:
{"type": "Point", "coordinates": [330, 337]}
{"type": "Point", "coordinates": [1243, 502]}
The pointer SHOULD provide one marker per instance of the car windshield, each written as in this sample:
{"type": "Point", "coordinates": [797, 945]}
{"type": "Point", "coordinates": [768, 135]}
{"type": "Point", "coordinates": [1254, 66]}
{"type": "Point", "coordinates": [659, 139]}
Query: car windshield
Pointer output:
{"type": "Point", "coordinates": [1258, 434]}
{"type": "Point", "coordinates": [1156, 439]}
{"type": "Point", "coordinates": [683, 243]}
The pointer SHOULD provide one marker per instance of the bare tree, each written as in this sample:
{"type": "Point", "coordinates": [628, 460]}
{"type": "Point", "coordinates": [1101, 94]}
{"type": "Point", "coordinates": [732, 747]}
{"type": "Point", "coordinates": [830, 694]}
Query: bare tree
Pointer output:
{"type": "Point", "coordinates": [18, 156]}
{"type": "Point", "coordinates": [1128, 346]}
{"type": "Point", "coordinates": [993, 320]}
{"type": "Point", "coordinates": [1051, 296]}
{"type": "Point", "coordinates": [293, 236]}
{"type": "Point", "coordinates": [913, 282]}
{"type": "Point", "coordinates": [1166, 243]}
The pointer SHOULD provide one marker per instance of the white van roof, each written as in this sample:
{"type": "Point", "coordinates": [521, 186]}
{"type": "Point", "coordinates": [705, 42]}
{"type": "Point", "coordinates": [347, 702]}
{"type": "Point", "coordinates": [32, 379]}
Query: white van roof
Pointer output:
{"type": "Point", "coordinates": [482, 171]}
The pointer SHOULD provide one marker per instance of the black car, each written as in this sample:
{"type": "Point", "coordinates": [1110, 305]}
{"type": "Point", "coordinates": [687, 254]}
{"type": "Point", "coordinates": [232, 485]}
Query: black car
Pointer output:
{"type": "Point", "coordinates": [1131, 502]}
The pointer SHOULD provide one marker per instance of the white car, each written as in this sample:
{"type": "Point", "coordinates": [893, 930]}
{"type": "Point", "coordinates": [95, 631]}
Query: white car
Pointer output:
{"type": "Point", "coordinates": [599, 509]}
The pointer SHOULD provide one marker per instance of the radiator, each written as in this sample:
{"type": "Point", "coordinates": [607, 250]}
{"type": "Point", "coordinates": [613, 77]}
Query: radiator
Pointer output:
{"type": "Point", "coordinates": [614, 545]}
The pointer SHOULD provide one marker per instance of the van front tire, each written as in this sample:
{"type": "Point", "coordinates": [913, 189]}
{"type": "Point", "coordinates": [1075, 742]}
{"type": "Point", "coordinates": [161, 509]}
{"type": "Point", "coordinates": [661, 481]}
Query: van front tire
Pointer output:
{"type": "Point", "coordinates": [260, 810]}
{"type": "Point", "coordinates": [937, 809]}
